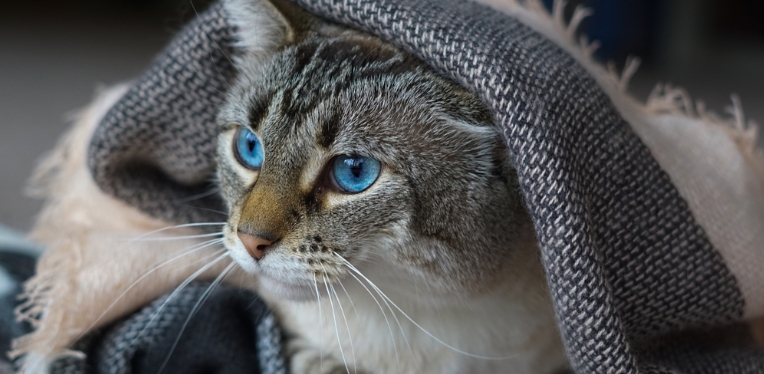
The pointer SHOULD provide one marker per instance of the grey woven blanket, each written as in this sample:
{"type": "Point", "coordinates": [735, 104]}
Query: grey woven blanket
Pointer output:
{"type": "Point", "coordinates": [194, 331]}
{"type": "Point", "coordinates": [637, 284]}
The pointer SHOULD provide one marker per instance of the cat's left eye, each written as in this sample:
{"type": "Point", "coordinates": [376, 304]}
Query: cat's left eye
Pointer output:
{"type": "Point", "coordinates": [248, 149]}
{"type": "Point", "coordinates": [354, 173]}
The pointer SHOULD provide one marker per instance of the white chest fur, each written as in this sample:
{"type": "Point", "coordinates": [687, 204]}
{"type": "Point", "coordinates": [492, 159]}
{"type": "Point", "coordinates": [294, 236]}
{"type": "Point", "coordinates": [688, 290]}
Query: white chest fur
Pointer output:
{"type": "Point", "coordinates": [512, 328]}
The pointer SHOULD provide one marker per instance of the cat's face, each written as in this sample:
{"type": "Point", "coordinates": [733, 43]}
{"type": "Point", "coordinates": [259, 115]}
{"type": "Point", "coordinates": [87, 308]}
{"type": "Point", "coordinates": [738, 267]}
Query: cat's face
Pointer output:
{"type": "Point", "coordinates": [343, 150]}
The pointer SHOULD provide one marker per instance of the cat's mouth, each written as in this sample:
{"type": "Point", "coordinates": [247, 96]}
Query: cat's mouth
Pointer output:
{"type": "Point", "coordinates": [286, 289]}
{"type": "Point", "coordinates": [285, 276]}
{"type": "Point", "coordinates": [297, 280]}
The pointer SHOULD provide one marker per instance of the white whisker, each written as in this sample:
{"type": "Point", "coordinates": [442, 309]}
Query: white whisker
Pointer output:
{"type": "Point", "coordinates": [389, 326]}
{"type": "Point", "coordinates": [196, 307]}
{"type": "Point", "coordinates": [382, 294]}
{"type": "Point", "coordinates": [349, 298]}
{"type": "Point", "coordinates": [334, 317]}
{"type": "Point", "coordinates": [397, 321]}
{"type": "Point", "coordinates": [201, 195]}
{"type": "Point", "coordinates": [145, 237]}
{"type": "Point", "coordinates": [177, 237]}
{"type": "Point", "coordinates": [392, 312]}
{"type": "Point", "coordinates": [321, 319]}
{"type": "Point", "coordinates": [347, 326]}
{"type": "Point", "coordinates": [189, 251]}
{"type": "Point", "coordinates": [177, 290]}
{"type": "Point", "coordinates": [187, 225]}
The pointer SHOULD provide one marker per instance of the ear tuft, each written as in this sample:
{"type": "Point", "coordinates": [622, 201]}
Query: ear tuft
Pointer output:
{"type": "Point", "coordinates": [260, 26]}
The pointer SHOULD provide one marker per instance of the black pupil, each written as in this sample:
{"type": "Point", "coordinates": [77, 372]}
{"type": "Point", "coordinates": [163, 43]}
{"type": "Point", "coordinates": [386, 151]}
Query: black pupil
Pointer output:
{"type": "Point", "coordinates": [356, 165]}
{"type": "Point", "coordinates": [251, 143]}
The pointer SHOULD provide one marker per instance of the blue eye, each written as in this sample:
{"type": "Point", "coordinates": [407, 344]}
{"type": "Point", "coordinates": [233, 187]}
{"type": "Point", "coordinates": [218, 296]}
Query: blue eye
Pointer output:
{"type": "Point", "coordinates": [354, 173]}
{"type": "Point", "coordinates": [248, 148]}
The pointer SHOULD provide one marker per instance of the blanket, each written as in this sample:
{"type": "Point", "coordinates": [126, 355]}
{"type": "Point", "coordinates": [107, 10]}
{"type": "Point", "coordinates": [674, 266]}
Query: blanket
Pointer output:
{"type": "Point", "coordinates": [649, 216]}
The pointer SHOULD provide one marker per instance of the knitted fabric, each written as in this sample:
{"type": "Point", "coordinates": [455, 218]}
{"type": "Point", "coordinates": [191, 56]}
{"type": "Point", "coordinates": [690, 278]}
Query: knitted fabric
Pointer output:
{"type": "Point", "coordinates": [200, 327]}
{"type": "Point", "coordinates": [154, 148]}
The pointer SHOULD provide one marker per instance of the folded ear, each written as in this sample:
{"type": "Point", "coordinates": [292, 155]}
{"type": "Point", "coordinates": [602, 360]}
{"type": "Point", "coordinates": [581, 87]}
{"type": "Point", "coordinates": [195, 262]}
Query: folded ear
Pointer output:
{"type": "Point", "coordinates": [261, 26]}
{"type": "Point", "coordinates": [155, 148]}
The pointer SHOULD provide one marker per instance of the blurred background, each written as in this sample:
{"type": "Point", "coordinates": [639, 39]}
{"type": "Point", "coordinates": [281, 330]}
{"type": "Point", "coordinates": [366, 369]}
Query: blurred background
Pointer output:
{"type": "Point", "coordinates": [54, 54]}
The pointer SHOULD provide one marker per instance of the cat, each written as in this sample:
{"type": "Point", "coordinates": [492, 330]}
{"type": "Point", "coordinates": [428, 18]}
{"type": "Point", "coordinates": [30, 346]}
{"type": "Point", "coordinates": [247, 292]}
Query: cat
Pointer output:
{"type": "Point", "coordinates": [375, 207]}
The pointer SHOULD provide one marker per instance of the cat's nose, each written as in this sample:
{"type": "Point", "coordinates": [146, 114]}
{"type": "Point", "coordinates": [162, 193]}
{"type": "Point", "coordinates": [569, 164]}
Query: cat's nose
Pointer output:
{"type": "Point", "coordinates": [254, 244]}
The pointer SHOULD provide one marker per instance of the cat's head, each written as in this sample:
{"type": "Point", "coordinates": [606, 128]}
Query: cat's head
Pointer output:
{"type": "Point", "coordinates": [337, 150]}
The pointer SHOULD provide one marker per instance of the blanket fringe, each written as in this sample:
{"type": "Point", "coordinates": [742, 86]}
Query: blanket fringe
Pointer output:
{"type": "Point", "coordinates": [55, 267]}
{"type": "Point", "coordinates": [63, 232]}
{"type": "Point", "coordinates": [666, 99]}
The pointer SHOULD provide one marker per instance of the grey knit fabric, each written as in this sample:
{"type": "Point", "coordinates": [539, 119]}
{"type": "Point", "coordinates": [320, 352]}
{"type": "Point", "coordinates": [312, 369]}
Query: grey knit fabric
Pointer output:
{"type": "Point", "coordinates": [626, 261]}
{"type": "Point", "coordinates": [269, 346]}
{"type": "Point", "coordinates": [199, 329]}
{"type": "Point", "coordinates": [706, 351]}
{"type": "Point", "coordinates": [154, 148]}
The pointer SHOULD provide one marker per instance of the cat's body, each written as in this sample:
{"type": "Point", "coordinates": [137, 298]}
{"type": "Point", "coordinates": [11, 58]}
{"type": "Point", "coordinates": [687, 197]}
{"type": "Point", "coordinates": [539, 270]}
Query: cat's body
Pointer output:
{"type": "Point", "coordinates": [431, 266]}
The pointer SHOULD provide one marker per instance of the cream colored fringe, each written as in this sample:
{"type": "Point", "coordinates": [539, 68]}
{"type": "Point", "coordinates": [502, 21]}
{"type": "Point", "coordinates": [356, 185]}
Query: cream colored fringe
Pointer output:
{"type": "Point", "coordinates": [93, 271]}
{"type": "Point", "coordinates": [50, 180]}
{"type": "Point", "coordinates": [665, 99]}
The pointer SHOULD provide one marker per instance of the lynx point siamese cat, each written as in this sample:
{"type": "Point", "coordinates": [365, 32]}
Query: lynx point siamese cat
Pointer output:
{"type": "Point", "coordinates": [374, 204]}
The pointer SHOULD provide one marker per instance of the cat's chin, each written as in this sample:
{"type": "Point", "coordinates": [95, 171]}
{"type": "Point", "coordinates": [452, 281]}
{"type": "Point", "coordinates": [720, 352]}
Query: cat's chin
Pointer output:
{"type": "Point", "coordinates": [286, 290]}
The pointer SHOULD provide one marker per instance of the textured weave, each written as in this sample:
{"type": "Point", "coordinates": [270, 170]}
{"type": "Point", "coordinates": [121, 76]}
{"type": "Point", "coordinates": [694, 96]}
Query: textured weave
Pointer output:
{"type": "Point", "coordinates": [16, 266]}
{"type": "Point", "coordinates": [269, 346]}
{"type": "Point", "coordinates": [212, 325]}
{"type": "Point", "coordinates": [625, 258]}
{"type": "Point", "coordinates": [154, 148]}
{"type": "Point", "coordinates": [726, 350]}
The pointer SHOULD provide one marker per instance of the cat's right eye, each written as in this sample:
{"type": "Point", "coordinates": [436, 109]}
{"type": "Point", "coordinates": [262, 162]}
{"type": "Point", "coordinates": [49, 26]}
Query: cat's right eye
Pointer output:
{"type": "Point", "coordinates": [248, 149]}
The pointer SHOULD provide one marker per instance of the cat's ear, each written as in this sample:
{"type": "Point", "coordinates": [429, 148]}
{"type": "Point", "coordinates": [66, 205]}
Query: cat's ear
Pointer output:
{"type": "Point", "coordinates": [261, 25]}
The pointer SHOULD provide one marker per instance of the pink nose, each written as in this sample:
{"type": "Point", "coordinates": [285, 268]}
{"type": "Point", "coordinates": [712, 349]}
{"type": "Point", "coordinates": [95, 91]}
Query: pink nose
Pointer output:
{"type": "Point", "coordinates": [255, 245]}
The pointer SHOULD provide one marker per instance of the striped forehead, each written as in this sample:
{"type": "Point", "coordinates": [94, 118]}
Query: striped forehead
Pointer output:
{"type": "Point", "coordinates": [312, 76]}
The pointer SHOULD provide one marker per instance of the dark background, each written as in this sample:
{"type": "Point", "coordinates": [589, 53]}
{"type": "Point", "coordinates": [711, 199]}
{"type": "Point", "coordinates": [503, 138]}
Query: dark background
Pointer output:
{"type": "Point", "coordinates": [55, 53]}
